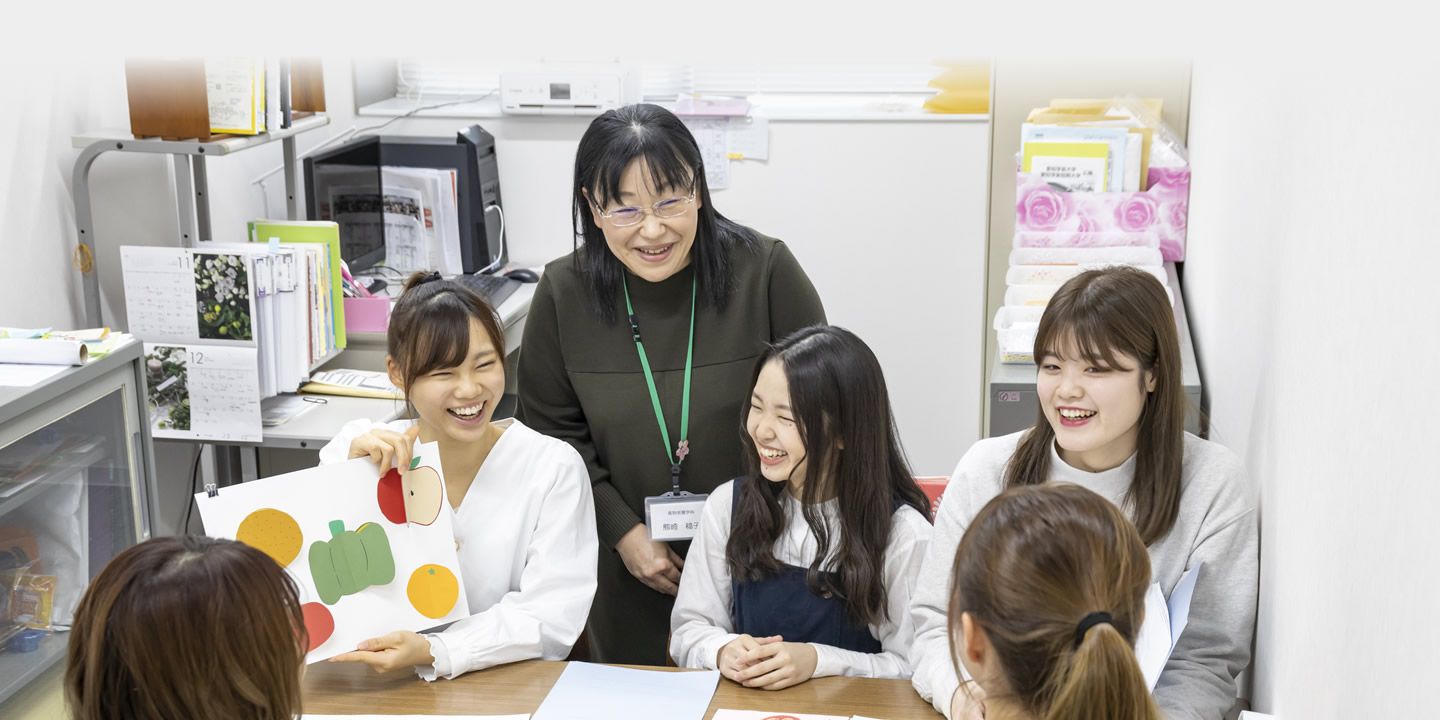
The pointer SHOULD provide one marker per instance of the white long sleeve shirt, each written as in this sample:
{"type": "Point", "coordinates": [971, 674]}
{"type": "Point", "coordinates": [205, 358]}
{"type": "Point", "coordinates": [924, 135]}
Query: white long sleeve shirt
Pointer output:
{"type": "Point", "coordinates": [700, 624]}
{"type": "Point", "coordinates": [525, 536]}
{"type": "Point", "coordinates": [1216, 524]}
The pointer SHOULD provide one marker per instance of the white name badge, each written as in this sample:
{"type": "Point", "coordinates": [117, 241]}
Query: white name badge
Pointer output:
{"type": "Point", "coordinates": [673, 517]}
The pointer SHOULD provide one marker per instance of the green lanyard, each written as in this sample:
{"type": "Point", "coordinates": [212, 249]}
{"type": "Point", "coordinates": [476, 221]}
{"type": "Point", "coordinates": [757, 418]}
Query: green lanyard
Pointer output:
{"type": "Point", "coordinates": [683, 448]}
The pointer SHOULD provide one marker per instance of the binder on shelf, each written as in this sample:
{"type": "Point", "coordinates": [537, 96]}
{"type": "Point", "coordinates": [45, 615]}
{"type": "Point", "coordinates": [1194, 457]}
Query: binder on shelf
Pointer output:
{"type": "Point", "coordinates": [316, 232]}
{"type": "Point", "coordinates": [169, 98]}
{"type": "Point", "coordinates": [235, 93]}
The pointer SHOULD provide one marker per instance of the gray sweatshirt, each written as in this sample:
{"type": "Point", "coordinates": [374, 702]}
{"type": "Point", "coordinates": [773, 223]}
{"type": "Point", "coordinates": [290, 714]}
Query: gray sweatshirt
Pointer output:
{"type": "Point", "coordinates": [1217, 524]}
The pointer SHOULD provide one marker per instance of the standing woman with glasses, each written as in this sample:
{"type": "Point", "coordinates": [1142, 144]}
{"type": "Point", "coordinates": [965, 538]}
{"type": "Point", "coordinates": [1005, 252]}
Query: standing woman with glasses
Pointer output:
{"type": "Point", "coordinates": [638, 350]}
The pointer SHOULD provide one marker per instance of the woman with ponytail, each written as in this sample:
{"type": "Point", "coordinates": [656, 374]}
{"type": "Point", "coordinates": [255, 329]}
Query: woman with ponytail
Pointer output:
{"type": "Point", "coordinates": [1111, 418]}
{"type": "Point", "coordinates": [1049, 593]}
{"type": "Point", "coordinates": [519, 502]}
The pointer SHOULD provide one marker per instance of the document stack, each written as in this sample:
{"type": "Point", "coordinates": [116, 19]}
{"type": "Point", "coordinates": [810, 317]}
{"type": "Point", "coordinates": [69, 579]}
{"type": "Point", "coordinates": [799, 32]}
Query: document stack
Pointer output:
{"type": "Point", "coordinates": [1099, 183]}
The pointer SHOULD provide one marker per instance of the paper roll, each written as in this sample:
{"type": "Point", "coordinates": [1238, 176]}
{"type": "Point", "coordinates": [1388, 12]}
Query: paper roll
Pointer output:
{"type": "Point", "coordinates": [43, 352]}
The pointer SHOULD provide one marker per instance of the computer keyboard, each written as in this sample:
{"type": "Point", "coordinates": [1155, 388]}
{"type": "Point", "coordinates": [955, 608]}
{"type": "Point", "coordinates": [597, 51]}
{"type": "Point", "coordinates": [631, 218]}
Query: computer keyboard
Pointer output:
{"type": "Point", "coordinates": [494, 288]}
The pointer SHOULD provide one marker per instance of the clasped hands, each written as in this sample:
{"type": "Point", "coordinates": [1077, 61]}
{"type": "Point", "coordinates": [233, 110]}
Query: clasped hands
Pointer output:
{"type": "Point", "coordinates": [767, 663]}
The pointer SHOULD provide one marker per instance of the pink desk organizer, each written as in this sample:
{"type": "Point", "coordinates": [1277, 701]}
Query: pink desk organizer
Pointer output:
{"type": "Point", "coordinates": [1156, 217]}
{"type": "Point", "coordinates": [367, 314]}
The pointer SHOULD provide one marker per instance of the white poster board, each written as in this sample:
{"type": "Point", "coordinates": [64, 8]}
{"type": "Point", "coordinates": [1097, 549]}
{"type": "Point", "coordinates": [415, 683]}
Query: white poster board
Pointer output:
{"type": "Point", "coordinates": [370, 554]}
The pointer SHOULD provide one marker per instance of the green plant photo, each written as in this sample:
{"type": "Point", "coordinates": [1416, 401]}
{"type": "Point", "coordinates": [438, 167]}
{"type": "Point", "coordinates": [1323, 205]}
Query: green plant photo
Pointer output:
{"type": "Point", "coordinates": [222, 293]}
{"type": "Point", "coordinates": [168, 392]}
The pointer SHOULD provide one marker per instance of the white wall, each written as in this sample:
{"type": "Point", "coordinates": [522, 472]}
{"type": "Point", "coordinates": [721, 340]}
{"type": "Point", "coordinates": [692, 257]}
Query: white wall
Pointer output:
{"type": "Point", "coordinates": [1311, 287]}
{"type": "Point", "coordinates": [60, 99]}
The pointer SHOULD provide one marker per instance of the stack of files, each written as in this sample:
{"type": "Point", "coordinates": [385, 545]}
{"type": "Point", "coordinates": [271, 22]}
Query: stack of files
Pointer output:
{"type": "Point", "coordinates": [247, 95]}
{"type": "Point", "coordinates": [1036, 274]}
{"type": "Point", "coordinates": [434, 194]}
{"type": "Point", "coordinates": [318, 243]}
{"type": "Point", "coordinates": [353, 383]}
{"type": "Point", "coordinates": [412, 211]}
{"type": "Point", "coordinates": [1079, 145]}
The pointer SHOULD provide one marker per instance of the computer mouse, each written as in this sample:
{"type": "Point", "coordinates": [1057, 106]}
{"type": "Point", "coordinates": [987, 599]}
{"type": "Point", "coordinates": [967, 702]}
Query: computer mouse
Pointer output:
{"type": "Point", "coordinates": [523, 275]}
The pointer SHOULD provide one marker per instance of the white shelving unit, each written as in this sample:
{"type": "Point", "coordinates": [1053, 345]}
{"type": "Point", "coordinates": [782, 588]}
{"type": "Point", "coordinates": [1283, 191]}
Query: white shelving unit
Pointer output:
{"type": "Point", "coordinates": [192, 194]}
{"type": "Point", "coordinates": [191, 183]}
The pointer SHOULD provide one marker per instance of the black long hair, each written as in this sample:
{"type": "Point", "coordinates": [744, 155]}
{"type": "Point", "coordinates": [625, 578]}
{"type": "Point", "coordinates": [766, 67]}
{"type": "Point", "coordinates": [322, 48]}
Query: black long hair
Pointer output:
{"type": "Point", "coordinates": [842, 413]}
{"type": "Point", "coordinates": [652, 133]}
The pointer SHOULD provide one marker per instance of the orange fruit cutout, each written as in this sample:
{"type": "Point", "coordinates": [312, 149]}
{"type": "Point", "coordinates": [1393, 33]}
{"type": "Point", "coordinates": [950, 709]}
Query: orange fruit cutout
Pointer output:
{"type": "Point", "coordinates": [433, 591]}
{"type": "Point", "coordinates": [272, 532]}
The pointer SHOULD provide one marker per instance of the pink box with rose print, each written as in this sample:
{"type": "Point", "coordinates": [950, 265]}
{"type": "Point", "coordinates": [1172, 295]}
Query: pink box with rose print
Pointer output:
{"type": "Point", "coordinates": [1045, 217]}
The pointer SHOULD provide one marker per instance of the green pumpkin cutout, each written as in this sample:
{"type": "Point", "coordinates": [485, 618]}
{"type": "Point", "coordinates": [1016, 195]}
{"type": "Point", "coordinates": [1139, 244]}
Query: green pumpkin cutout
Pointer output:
{"type": "Point", "coordinates": [350, 561]}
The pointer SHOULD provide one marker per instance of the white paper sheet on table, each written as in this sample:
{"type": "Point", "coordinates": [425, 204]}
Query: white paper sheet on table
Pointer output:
{"type": "Point", "coordinates": [28, 375]}
{"type": "Point", "coordinates": [600, 692]}
{"type": "Point", "coordinates": [769, 715]}
{"type": "Point", "coordinates": [308, 716]}
{"type": "Point", "coordinates": [1164, 622]}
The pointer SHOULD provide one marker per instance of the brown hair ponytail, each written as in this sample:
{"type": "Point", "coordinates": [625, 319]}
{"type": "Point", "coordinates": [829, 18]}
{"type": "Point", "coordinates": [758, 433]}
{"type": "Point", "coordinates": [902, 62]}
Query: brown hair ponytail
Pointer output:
{"type": "Point", "coordinates": [1101, 681]}
{"type": "Point", "coordinates": [1034, 567]}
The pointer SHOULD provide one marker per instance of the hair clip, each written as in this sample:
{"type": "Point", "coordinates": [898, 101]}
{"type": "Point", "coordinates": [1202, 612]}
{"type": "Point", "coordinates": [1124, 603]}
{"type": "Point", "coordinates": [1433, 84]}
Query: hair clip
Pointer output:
{"type": "Point", "coordinates": [430, 278]}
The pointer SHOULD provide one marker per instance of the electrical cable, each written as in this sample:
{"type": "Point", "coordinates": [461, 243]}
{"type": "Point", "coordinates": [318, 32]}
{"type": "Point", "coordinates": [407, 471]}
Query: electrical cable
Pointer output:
{"type": "Point", "coordinates": [501, 256]}
{"type": "Point", "coordinates": [194, 479]}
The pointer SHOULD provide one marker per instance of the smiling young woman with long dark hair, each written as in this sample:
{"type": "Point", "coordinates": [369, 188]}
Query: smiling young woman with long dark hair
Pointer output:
{"type": "Point", "coordinates": [662, 308]}
{"type": "Point", "coordinates": [1112, 419]}
{"type": "Point", "coordinates": [804, 566]}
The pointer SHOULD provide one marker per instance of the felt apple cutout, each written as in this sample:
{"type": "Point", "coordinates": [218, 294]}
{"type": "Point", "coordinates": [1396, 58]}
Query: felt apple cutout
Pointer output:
{"type": "Point", "coordinates": [418, 497]}
{"type": "Point", "coordinates": [390, 494]}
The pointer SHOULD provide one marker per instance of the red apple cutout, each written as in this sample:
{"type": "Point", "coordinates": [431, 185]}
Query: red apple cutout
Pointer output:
{"type": "Point", "coordinates": [318, 622]}
{"type": "Point", "coordinates": [391, 497]}
{"type": "Point", "coordinates": [424, 496]}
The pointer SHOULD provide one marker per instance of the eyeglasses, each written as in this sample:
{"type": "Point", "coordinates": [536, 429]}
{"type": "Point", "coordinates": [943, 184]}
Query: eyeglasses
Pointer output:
{"type": "Point", "coordinates": [668, 208]}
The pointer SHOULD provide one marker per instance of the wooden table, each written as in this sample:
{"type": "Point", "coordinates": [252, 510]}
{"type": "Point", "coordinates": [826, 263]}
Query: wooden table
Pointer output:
{"type": "Point", "coordinates": [352, 688]}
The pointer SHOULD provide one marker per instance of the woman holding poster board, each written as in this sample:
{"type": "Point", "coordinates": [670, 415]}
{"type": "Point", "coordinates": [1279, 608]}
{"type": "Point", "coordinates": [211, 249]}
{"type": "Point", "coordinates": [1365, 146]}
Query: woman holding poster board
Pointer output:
{"type": "Point", "coordinates": [1112, 419]}
{"type": "Point", "coordinates": [523, 518]}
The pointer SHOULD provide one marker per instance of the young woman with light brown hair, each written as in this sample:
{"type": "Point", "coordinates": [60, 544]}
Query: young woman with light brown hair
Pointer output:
{"type": "Point", "coordinates": [1049, 593]}
{"type": "Point", "coordinates": [187, 627]}
{"type": "Point", "coordinates": [1112, 419]}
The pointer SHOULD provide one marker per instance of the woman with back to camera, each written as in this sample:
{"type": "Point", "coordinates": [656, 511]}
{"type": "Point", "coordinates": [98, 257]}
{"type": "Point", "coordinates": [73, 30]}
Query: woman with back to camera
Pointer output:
{"type": "Point", "coordinates": [187, 627]}
{"type": "Point", "coordinates": [1048, 593]}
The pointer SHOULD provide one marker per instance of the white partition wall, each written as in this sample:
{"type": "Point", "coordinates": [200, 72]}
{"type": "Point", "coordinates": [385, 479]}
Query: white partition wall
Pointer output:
{"type": "Point", "coordinates": [1311, 291]}
{"type": "Point", "coordinates": [888, 219]}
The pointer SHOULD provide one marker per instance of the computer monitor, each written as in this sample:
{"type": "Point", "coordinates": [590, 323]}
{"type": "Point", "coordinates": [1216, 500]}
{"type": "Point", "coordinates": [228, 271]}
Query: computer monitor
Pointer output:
{"type": "Point", "coordinates": [344, 184]}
